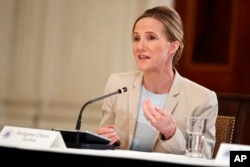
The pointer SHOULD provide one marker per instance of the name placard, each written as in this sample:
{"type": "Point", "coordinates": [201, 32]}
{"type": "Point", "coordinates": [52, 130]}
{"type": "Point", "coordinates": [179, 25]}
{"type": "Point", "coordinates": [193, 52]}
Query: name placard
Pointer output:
{"type": "Point", "coordinates": [29, 137]}
{"type": "Point", "coordinates": [225, 150]}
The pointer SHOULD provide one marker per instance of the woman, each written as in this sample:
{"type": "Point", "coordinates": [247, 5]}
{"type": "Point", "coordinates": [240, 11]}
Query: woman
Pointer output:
{"type": "Point", "coordinates": [151, 115]}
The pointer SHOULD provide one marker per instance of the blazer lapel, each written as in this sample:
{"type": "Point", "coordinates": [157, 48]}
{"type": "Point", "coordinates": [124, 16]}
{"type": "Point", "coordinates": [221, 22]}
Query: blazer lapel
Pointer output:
{"type": "Point", "coordinates": [174, 91]}
{"type": "Point", "coordinates": [134, 97]}
{"type": "Point", "coordinates": [171, 101]}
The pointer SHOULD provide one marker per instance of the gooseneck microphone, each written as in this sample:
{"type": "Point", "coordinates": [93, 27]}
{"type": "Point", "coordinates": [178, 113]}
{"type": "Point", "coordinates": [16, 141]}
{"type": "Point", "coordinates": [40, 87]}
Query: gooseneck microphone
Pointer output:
{"type": "Point", "coordinates": [119, 91]}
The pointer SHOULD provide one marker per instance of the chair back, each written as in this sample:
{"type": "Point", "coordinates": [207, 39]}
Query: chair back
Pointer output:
{"type": "Point", "coordinates": [224, 131]}
{"type": "Point", "coordinates": [231, 123]}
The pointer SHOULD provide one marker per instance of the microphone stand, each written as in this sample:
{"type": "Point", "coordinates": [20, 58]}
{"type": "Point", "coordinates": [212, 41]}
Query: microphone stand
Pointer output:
{"type": "Point", "coordinates": [78, 124]}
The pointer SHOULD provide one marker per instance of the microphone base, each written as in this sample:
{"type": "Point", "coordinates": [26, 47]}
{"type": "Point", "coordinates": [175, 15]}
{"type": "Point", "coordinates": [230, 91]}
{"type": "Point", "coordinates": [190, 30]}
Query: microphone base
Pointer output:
{"type": "Point", "coordinates": [90, 146]}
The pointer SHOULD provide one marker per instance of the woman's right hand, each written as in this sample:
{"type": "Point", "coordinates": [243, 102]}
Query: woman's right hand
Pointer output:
{"type": "Point", "coordinates": [108, 132]}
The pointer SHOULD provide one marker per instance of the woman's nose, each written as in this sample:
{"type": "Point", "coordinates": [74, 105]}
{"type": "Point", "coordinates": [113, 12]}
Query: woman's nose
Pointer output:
{"type": "Point", "coordinates": [141, 45]}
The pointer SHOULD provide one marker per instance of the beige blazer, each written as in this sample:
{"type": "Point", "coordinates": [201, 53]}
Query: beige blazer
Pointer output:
{"type": "Point", "coordinates": [185, 98]}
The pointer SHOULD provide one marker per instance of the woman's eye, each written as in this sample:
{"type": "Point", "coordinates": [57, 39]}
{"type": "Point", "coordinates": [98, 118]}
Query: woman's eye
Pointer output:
{"type": "Point", "coordinates": [152, 37]}
{"type": "Point", "coordinates": [136, 38]}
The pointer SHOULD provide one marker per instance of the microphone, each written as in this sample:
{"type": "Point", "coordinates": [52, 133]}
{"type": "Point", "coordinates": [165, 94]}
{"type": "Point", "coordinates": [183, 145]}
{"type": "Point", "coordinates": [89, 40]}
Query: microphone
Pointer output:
{"type": "Point", "coordinates": [119, 91]}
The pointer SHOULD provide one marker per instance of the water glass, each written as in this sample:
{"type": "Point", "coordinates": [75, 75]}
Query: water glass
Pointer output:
{"type": "Point", "coordinates": [195, 130]}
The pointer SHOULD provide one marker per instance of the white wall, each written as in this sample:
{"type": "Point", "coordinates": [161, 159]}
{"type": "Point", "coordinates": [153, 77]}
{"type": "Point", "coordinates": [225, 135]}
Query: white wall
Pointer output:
{"type": "Point", "coordinates": [57, 54]}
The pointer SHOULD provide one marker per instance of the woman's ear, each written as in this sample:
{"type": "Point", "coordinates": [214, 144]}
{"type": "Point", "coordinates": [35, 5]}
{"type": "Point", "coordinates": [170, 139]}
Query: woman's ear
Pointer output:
{"type": "Point", "coordinates": [174, 47]}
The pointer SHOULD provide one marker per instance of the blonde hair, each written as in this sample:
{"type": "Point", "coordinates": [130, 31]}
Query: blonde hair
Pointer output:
{"type": "Point", "coordinates": [173, 24]}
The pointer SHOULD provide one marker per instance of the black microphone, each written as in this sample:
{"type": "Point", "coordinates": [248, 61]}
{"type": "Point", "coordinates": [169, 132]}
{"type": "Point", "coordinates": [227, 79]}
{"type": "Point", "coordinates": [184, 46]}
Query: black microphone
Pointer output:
{"type": "Point", "coordinates": [119, 91]}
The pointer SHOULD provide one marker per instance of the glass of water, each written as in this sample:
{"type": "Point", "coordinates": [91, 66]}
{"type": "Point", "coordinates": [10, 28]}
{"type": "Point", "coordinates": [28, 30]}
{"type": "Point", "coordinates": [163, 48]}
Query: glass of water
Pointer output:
{"type": "Point", "coordinates": [195, 130]}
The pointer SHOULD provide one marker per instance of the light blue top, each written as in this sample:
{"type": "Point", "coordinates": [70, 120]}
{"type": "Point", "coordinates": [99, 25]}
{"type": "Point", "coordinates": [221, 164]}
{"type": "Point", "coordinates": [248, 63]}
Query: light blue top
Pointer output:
{"type": "Point", "coordinates": [144, 132]}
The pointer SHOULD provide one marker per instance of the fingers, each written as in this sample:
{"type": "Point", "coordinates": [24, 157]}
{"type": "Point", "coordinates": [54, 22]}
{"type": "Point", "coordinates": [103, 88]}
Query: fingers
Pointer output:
{"type": "Point", "coordinates": [115, 139]}
{"type": "Point", "coordinates": [148, 109]}
{"type": "Point", "coordinates": [105, 130]}
{"type": "Point", "coordinates": [152, 113]}
{"type": "Point", "coordinates": [108, 132]}
{"type": "Point", "coordinates": [160, 119]}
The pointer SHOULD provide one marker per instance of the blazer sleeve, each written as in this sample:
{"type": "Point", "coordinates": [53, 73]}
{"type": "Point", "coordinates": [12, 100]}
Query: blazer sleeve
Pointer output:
{"type": "Point", "coordinates": [192, 100]}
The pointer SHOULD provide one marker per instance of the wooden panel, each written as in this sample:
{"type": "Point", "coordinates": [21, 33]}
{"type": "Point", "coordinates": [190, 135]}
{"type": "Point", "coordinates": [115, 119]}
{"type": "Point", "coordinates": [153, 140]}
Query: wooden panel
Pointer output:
{"type": "Point", "coordinates": [216, 52]}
